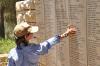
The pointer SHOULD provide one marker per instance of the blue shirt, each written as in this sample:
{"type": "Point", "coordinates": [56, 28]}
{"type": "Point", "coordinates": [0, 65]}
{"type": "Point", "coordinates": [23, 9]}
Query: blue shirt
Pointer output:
{"type": "Point", "coordinates": [29, 55]}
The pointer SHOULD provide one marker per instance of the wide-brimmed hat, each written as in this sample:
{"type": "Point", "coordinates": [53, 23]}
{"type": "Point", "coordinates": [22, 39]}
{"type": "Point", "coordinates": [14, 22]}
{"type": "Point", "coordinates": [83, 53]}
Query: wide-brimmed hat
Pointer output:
{"type": "Point", "coordinates": [24, 28]}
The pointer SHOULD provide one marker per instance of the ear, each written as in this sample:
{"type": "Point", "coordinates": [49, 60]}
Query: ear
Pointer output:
{"type": "Point", "coordinates": [26, 36]}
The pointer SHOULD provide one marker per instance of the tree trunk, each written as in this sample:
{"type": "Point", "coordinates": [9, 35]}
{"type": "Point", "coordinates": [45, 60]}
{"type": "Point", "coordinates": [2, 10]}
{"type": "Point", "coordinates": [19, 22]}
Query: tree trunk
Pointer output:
{"type": "Point", "coordinates": [2, 30]}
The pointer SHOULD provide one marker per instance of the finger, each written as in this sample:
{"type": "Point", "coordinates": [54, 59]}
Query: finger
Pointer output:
{"type": "Point", "coordinates": [71, 26]}
{"type": "Point", "coordinates": [74, 29]}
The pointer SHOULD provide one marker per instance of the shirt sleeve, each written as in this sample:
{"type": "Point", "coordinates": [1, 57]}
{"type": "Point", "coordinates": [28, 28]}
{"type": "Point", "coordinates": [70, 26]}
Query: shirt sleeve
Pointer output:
{"type": "Point", "coordinates": [54, 40]}
{"type": "Point", "coordinates": [44, 46]}
{"type": "Point", "coordinates": [11, 62]}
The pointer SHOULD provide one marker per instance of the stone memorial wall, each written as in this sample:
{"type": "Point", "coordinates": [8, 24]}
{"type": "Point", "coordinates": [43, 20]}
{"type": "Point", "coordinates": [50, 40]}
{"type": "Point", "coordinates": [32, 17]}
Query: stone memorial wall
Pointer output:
{"type": "Point", "coordinates": [53, 17]}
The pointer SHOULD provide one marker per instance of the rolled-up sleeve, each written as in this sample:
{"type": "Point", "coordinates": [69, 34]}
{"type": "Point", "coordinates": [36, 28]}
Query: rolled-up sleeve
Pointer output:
{"type": "Point", "coordinates": [44, 46]}
{"type": "Point", "coordinates": [54, 40]}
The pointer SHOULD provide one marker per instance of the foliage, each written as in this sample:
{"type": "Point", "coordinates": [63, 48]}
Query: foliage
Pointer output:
{"type": "Point", "coordinates": [6, 45]}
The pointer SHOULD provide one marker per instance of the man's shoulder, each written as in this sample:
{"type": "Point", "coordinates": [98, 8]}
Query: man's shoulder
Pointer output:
{"type": "Point", "coordinates": [12, 52]}
{"type": "Point", "coordinates": [13, 49]}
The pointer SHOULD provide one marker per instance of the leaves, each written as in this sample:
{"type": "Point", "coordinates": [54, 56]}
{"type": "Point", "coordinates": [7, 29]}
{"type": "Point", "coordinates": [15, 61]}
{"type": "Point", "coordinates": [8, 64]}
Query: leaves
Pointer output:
{"type": "Point", "coordinates": [6, 45]}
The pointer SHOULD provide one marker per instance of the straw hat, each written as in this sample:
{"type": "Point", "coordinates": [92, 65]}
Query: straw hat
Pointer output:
{"type": "Point", "coordinates": [24, 28]}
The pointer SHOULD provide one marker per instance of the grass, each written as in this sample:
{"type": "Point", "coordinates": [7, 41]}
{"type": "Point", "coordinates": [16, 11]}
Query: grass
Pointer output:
{"type": "Point", "coordinates": [6, 45]}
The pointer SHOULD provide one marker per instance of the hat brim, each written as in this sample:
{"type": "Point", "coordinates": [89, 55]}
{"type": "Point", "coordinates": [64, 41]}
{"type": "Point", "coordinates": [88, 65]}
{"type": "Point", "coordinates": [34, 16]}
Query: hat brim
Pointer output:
{"type": "Point", "coordinates": [33, 29]}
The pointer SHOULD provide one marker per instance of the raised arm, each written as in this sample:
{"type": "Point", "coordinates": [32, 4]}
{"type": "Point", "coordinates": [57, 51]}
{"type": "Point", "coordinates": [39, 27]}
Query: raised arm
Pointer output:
{"type": "Point", "coordinates": [44, 46]}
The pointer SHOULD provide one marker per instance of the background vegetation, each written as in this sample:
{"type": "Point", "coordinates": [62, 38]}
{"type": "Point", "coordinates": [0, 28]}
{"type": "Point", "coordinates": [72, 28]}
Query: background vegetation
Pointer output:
{"type": "Point", "coordinates": [6, 45]}
{"type": "Point", "coordinates": [7, 23]}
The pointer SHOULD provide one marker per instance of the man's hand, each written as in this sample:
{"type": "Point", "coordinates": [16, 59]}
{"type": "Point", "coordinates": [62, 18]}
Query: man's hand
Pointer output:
{"type": "Point", "coordinates": [70, 30]}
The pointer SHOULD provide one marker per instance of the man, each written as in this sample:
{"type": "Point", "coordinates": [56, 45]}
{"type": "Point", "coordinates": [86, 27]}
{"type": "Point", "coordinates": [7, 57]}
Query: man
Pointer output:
{"type": "Point", "coordinates": [26, 53]}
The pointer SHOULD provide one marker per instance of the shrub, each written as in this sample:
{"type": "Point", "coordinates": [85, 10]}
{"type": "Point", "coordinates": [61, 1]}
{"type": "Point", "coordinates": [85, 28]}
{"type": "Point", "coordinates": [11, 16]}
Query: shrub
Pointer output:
{"type": "Point", "coordinates": [6, 45]}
